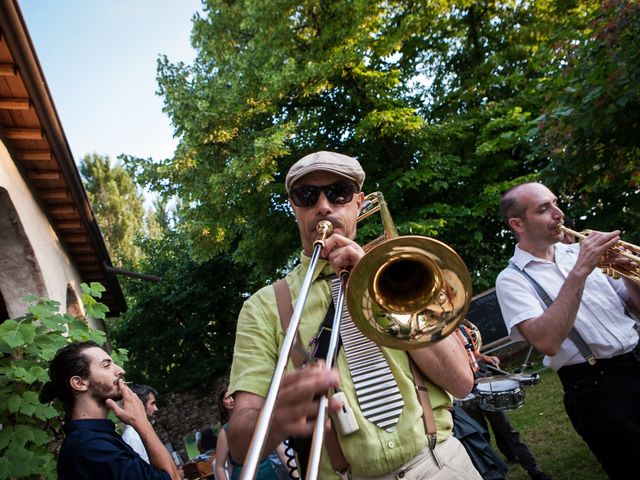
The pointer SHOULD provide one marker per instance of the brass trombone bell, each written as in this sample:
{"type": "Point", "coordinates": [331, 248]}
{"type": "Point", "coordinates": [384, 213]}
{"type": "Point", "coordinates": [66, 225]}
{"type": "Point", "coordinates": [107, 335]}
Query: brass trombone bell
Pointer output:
{"type": "Point", "coordinates": [408, 291]}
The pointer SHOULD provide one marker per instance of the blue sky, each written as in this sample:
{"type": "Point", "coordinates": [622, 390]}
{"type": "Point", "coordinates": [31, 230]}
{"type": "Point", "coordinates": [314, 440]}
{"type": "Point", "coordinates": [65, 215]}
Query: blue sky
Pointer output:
{"type": "Point", "coordinates": [99, 60]}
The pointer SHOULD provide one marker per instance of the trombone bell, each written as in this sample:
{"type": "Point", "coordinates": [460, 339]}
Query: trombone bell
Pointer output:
{"type": "Point", "coordinates": [409, 291]}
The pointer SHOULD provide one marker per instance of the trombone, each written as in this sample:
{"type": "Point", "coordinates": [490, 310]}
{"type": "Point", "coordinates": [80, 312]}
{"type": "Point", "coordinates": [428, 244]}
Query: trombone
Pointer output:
{"type": "Point", "coordinates": [625, 249]}
{"type": "Point", "coordinates": [324, 229]}
{"type": "Point", "coordinates": [406, 292]}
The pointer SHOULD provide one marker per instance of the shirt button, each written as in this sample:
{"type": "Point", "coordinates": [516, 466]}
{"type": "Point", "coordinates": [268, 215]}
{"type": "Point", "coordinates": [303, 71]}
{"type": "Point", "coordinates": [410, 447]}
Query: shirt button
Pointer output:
{"type": "Point", "coordinates": [391, 444]}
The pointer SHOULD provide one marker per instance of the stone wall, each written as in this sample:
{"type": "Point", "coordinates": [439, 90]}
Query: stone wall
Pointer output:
{"type": "Point", "coordinates": [183, 413]}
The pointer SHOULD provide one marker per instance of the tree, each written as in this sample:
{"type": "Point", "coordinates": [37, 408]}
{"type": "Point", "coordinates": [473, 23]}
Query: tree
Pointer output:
{"type": "Point", "coordinates": [180, 332]}
{"type": "Point", "coordinates": [436, 102]}
{"type": "Point", "coordinates": [118, 206]}
{"type": "Point", "coordinates": [440, 101]}
{"type": "Point", "coordinates": [589, 131]}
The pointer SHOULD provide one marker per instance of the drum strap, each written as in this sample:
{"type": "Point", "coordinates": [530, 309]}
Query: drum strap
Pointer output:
{"type": "Point", "coordinates": [582, 346]}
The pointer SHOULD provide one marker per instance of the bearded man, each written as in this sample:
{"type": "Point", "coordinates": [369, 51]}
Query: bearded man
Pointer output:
{"type": "Point", "coordinates": [88, 383]}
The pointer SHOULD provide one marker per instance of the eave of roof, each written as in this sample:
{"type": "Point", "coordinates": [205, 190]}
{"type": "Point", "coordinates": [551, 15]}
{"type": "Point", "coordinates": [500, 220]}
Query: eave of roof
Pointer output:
{"type": "Point", "coordinates": [31, 130]}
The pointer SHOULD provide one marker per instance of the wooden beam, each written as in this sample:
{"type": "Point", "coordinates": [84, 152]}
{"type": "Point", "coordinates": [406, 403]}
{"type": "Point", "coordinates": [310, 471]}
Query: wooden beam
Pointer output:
{"type": "Point", "coordinates": [62, 210]}
{"type": "Point", "coordinates": [15, 103]}
{"type": "Point", "coordinates": [23, 133]}
{"type": "Point", "coordinates": [81, 249]}
{"type": "Point", "coordinates": [8, 70]}
{"type": "Point", "coordinates": [86, 259]}
{"type": "Point", "coordinates": [44, 175]}
{"type": "Point", "coordinates": [69, 225]}
{"type": "Point", "coordinates": [35, 155]}
{"type": "Point", "coordinates": [75, 238]}
{"type": "Point", "coordinates": [91, 267]}
{"type": "Point", "coordinates": [55, 194]}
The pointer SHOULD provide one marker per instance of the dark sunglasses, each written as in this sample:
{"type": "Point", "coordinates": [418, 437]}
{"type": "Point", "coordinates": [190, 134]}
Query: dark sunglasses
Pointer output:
{"type": "Point", "coordinates": [337, 193]}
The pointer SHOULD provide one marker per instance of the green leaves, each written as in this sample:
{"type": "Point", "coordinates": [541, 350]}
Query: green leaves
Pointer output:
{"type": "Point", "coordinates": [445, 104]}
{"type": "Point", "coordinates": [16, 334]}
{"type": "Point", "coordinates": [118, 205]}
{"type": "Point", "coordinates": [589, 132]}
{"type": "Point", "coordinates": [90, 293]}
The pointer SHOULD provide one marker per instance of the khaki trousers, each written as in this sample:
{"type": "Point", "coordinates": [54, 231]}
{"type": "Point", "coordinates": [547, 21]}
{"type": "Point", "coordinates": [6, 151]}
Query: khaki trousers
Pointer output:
{"type": "Point", "coordinates": [456, 465]}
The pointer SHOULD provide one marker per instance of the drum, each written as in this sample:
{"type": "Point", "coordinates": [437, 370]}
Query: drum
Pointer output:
{"type": "Point", "coordinates": [470, 399]}
{"type": "Point", "coordinates": [498, 394]}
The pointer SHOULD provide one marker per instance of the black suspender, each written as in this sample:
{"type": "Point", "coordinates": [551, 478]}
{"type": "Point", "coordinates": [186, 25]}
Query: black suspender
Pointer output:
{"type": "Point", "coordinates": [582, 346]}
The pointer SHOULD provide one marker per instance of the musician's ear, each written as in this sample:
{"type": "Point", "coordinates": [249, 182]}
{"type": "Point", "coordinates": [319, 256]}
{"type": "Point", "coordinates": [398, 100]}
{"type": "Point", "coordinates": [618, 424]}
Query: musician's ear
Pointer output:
{"type": "Point", "coordinates": [516, 224]}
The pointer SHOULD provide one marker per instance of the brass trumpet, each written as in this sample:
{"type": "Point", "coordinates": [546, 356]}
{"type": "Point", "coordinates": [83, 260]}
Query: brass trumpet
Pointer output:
{"type": "Point", "coordinates": [625, 249]}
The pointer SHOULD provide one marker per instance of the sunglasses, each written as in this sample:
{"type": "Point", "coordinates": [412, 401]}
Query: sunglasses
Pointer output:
{"type": "Point", "coordinates": [337, 193]}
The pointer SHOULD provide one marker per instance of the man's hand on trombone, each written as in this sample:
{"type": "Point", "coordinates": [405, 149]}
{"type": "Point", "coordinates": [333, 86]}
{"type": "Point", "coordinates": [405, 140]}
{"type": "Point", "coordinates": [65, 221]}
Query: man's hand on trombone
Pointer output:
{"type": "Point", "coordinates": [297, 404]}
{"type": "Point", "coordinates": [342, 252]}
{"type": "Point", "coordinates": [295, 410]}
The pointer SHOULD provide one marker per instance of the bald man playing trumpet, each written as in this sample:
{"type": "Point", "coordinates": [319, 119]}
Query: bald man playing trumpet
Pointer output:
{"type": "Point", "coordinates": [553, 296]}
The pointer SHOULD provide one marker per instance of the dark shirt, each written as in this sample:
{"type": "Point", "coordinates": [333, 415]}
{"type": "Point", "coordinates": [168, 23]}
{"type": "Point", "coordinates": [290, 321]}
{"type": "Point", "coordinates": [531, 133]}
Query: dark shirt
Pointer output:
{"type": "Point", "coordinates": [93, 450]}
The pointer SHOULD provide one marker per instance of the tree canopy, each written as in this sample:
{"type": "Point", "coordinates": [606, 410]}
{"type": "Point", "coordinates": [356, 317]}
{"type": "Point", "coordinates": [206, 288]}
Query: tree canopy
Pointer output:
{"type": "Point", "coordinates": [445, 104]}
{"type": "Point", "coordinates": [180, 332]}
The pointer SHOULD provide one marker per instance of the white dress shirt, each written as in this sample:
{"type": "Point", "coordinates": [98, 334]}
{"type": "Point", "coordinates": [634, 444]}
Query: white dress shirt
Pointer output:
{"type": "Point", "coordinates": [132, 438]}
{"type": "Point", "coordinates": [601, 320]}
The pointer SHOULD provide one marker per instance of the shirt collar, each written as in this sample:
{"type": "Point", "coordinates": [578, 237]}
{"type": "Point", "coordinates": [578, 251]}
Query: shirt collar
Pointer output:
{"type": "Point", "coordinates": [323, 267]}
{"type": "Point", "coordinates": [562, 251]}
{"type": "Point", "coordinates": [100, 424]}
{"type": "Point", "coordinates": [521, 258]}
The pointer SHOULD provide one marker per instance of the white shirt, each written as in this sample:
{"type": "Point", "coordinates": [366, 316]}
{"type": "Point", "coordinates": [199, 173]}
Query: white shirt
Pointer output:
{"type": "Point", "coordinates": [132, 438]}
{"type": "Point", "coordinates": [601, 320]}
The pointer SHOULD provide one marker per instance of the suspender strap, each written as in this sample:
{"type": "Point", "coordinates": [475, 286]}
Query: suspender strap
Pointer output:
{"type": "Point", "coordinates": [427, 417]}
{"type": "Point", "coordinates": [582, 346]}
{"type": "Point", "coordinates": [285, 311]}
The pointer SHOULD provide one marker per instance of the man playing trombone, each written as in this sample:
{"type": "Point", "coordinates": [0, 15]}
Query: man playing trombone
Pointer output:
{"type": "Point", "coordinates": [327, 186]}
{"type": "Point", "coordinates": [553, 296]}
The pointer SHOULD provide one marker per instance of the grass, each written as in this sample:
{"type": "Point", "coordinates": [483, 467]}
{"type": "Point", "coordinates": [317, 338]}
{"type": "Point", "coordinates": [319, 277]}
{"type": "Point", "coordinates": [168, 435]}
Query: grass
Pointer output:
{"type": "Point", "coordinates": [546, 429]}
{"type": "Point", "coordinates": [190, 446]}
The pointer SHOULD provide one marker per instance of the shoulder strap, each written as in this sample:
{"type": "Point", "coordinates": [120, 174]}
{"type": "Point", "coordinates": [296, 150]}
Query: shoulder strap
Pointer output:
{"type": "Point", "coordinates": [285, 311]}
{"type": "Point", "coordinates": [422, 392]}
{"type": "Point", "coordinates": [582, 346]}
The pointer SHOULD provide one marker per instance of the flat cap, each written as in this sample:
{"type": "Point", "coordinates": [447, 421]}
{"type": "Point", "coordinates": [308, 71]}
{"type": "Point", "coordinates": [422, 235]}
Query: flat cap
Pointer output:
{"type": "Point", "coordinates": [337, 163]}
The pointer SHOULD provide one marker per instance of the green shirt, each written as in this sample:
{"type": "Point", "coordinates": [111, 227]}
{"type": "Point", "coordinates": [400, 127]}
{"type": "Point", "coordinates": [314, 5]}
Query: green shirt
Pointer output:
{"type": "Point", "coordinates": [370, 451]}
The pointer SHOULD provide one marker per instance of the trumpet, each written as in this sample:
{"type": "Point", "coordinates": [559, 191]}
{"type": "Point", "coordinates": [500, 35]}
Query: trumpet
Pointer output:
{"type": "Point", "coordinates": [622, 248]}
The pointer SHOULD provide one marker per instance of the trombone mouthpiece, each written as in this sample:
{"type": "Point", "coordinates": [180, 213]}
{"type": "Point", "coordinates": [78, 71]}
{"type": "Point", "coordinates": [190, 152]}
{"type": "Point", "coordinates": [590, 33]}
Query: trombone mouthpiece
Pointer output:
{"type": "Point", "coordinates": [324, 229]}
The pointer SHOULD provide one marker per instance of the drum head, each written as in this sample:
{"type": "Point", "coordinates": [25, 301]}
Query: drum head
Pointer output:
{"type": "Point", "coordinates": [500, 394]}
{"type": "Point", "coordinates": [499, 385]}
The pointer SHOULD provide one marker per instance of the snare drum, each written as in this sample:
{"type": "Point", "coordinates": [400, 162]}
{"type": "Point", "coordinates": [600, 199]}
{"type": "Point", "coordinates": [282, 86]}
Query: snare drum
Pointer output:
{"type": "Point", "coordinates": [498, 394]}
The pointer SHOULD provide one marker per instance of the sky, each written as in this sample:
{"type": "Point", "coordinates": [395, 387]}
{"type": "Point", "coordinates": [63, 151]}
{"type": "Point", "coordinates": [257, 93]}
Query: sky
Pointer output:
{"type": "Point", "coordinates": [99, 60]}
